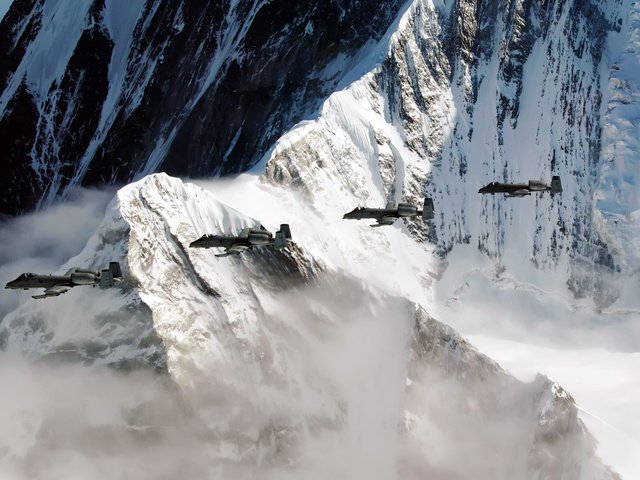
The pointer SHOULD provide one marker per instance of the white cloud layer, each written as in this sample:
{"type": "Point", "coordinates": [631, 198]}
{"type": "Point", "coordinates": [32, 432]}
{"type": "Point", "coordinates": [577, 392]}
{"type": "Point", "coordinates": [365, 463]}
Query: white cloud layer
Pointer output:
{"type": "Point", "coordinates": [529, 322]}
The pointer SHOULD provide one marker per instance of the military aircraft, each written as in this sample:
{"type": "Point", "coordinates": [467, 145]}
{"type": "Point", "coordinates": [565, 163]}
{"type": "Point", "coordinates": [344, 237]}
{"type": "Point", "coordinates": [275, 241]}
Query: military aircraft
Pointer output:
{"type": "Point", "coordinates": [55, 285]}
{"type": "Point", "coordinates": [523, 189]}
{"type": "Point", "coordinates": [392, 212]}
{"type": "Point", "coordinates": [247, 239]}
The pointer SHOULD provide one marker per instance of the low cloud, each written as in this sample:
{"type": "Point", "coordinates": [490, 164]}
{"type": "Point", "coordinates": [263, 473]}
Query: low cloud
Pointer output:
{"type": "Point", "coordinates": [530, 322]}
{"type": "Point", "coordinates": [42, 241]}
{"type": "Point", "coordinates": [320, 392]}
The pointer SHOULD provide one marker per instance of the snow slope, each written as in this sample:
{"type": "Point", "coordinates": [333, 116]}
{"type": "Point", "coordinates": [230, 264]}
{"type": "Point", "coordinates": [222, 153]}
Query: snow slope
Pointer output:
{"type": "Point", "coordinates": [302, 363]}
{"type": "Point", "coordinates": [267, 350]}
{"type": "Point", "coordinates": [99, 92]}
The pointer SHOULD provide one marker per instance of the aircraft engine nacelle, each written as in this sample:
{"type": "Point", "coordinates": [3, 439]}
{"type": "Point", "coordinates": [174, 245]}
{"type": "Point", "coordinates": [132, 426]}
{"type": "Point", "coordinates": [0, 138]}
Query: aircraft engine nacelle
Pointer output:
{"type": "Point", "coordinates": [537, 186]}
{"type": "Point", "coordinates": [407, 210]}
{"type": "Point", "coordinates": [259, 238]}
{"type": "Point", "coordinates": [83, 278]}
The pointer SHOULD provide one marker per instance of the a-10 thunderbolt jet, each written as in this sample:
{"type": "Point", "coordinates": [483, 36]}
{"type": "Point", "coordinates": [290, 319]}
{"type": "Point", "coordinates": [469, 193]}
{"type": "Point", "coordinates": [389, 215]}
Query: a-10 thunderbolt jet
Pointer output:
{"type": "Point", "coordinates": [247, 239]}
{"type": "Point", "coordinates": [523, 189]}
{"type": "Point", "coordinates": [55, 285]}
{"type": "Point", "coordinates": [392, 212]}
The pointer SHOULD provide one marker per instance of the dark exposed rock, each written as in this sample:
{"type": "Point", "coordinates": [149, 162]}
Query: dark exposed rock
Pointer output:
{"type": "Point", "coordinates": [208, 87]}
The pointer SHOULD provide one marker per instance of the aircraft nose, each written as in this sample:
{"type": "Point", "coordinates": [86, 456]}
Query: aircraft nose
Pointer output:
{"type": "Point", "coordinates": [196, 243]}
{"type": "Point", "coordinates": [352, 214]}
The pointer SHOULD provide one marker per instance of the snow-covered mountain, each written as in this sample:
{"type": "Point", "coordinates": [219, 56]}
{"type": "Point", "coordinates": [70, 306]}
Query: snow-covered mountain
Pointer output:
{"type": "Point", "coordinates": [300, 363]}
{"type": "Point", "coordinates": [324, 360]}
{"type": "Point", "coordinates": [102, 91]}
{"type": "Point", "coordinates": [502, 109]}
{"type": "Point", "coordinates": [473, 91]}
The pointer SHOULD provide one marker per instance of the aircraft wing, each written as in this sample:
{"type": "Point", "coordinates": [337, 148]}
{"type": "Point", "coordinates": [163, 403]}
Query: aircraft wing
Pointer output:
{"type": "Point", "coordinates": [384, 220]}
{"type": "Point", "coordinates": [235, 249]}
{"type": "Point", "coordinates": [53, 291]}
{"type": "Point", "coordinates": [518, 193]}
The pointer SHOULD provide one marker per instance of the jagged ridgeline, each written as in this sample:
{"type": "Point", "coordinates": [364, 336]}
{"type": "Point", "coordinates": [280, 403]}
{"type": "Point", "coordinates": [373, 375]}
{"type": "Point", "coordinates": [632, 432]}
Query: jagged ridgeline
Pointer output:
{"type": "Point", "coordinates": [99, 91]}
{"type": "Point", "coordinates": [285, 359]}
{"type": "Point", "coordinates": [292, 363]}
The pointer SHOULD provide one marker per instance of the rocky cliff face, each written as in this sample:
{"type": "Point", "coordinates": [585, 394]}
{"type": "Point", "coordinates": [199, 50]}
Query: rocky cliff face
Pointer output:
{"type": "Point", "coordinates": [473, 91]}
{"type": "Point", "coordinates": [314, 361]}
{"type": "Point", "coordinates": [97, 91]}
{"type": "Point", "coordinates": [479, 92]}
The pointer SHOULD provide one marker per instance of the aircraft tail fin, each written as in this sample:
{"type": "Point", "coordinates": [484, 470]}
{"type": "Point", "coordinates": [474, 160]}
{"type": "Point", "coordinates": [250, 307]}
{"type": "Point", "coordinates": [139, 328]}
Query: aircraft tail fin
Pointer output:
{"type": "Point", "coordinates": [287, 231]}
{"type": "Point", "coordinates": [556, 184]}
{"type": "Point", "coordinates": [106, 279]}
{"type": "Point", "coordinates": [109, 276]}
{"type": "Point", "coordinates": [114, 268]}
{"type": "Point", "coordinates": [283, 236]}
{"type": "Point", "coordinates": [428, 211]}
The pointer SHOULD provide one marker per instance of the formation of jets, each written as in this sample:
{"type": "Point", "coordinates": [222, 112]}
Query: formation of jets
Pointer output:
{"type": "Point", "coordinates": [250, 238]}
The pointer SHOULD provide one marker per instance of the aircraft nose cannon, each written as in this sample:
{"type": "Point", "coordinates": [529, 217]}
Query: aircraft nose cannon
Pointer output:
{"type": "Point", "coordinates": [356, 213]}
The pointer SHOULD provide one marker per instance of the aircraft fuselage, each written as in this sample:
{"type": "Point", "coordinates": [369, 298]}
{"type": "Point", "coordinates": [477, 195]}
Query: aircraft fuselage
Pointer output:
{"type": "Point", "coordinates": [32, 280]}
{"type": "Point", "coordinates": [403, 210]}
{"type": "Point", "coordinates": [389, 214]}
{"type": "Point", "coordinates": [505, 188]}
{"type": "Point", "coordinates": [248, 238]}
{"type": "Point", "coordinates": [523, 189]}
{"type": "Point", "coordinates": [55, 285]}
